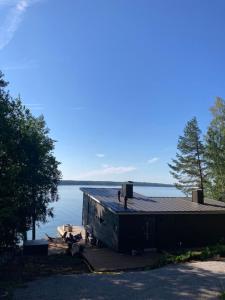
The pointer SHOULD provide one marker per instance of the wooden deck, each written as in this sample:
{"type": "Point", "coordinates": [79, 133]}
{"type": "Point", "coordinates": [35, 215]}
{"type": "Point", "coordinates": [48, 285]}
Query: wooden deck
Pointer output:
{"type": "Point", "coordinates": [104, 259]}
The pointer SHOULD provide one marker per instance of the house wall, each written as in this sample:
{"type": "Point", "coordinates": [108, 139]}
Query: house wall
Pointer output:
{"type": "Point", "coordinates": [170, 231]}
{"type": "Point", "coordinates": [189, 230]}
{"type": "Point", "coordinates": [103, 222]}
{"type": "Point", "coordinates": [136, 232]}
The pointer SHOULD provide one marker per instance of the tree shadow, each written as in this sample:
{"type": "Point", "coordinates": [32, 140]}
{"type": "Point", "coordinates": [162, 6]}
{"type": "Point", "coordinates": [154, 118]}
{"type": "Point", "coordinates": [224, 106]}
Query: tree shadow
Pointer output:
{"type": "Point", "coordinates": [200, 280]}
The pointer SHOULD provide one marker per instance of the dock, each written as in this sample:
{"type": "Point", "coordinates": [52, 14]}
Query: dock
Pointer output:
{"type": "Point", "coordinates": [57, 245]}
{"type": "Point", "coordinates": [73, 229]}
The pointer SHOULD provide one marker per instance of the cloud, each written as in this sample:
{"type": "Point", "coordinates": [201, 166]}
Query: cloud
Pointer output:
{"type": "Point", "coordinates": [106, 170]}
{"type": "Point", "coordinates": [13, 19]}
{"type": "Point", "coordinates": [152, 160]}
{"type": "Point", "coordinates": [105, 166]}
{"type": "Point", "coordinates": [100, 155]}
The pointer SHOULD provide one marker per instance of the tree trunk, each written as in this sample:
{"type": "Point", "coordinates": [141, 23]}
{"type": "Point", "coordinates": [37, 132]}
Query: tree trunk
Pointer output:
{"type": "Point", "coordinates": [200, 169]}
{"type": "Point", "coordinates": [33, 228]}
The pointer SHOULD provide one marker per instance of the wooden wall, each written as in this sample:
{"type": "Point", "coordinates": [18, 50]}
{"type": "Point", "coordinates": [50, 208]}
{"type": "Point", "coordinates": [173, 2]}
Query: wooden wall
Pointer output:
{"type": "Point", "coordinates": [189, 230]}
{"type": "Point", "coordinates": [136, 232]}
{"type": "Point", "coordinates": [170, 231]}
{"type": "Point", "coordinates": [103, 222]}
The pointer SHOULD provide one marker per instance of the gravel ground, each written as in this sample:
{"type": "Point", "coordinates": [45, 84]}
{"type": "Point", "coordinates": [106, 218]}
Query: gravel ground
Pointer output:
{"type": "Point", "coordinates": [197, 280]}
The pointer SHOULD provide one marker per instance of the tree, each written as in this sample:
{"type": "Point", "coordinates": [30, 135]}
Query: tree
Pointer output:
{"type": "Point", "coordinates": [40, 176]}
{"type": "Point", "coordinates": [8, 170]}
{"type": "Point", "coordinates": [215, 151]}
{"type": "Point", "coordinates": [189, 166]}
{"type": "Point", "coordinates": [29, 172]}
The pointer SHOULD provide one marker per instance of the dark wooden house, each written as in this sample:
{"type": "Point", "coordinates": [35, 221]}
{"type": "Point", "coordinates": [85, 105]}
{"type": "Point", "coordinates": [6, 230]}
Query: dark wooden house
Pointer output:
{"type": "Point", "coordinates": [123, 220]}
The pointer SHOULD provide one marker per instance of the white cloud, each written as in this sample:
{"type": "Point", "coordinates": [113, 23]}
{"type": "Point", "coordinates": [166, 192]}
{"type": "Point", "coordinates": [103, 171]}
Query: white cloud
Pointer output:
{"type": "Point", "coordinates": [152, 160]}
{"type": "Point", "coordinates": [22, 5]}
{"type": "Point", "coordinates": [106, 170]}
{"type": "Point", "coordinates": [13, 19]}
{"type": "Point", "coordinates": [100, 155]}
{"type": "Point", "coordinates": [105, 166]}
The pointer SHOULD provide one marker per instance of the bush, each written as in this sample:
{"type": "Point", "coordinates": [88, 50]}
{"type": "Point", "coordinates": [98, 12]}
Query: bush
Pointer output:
{"type": "Point", "coordinates": [187, 255]}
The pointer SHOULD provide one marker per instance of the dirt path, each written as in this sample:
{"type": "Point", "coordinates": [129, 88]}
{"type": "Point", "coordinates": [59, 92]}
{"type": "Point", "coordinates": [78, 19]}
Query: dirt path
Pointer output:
{"type": "Point", "coordinates": [198, 280]}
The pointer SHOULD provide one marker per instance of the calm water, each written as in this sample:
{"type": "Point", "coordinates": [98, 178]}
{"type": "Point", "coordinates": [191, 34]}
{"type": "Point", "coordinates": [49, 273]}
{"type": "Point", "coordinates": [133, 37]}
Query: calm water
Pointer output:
{"type": "Point", "coordinates": [68, 210]}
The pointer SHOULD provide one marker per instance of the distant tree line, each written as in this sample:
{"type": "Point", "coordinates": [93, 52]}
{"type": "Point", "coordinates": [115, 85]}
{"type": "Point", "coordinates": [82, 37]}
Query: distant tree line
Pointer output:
{"type": "Point", "coordinates": [112, 183]}
{"type": "Point", "coordinates": [200, 161]}
{"type": "Point", "coordinates": [29, 172]}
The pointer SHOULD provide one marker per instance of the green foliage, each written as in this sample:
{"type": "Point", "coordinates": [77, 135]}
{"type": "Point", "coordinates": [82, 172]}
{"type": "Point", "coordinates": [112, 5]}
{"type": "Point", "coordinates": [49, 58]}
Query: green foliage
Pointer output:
{"type": "Point", "coordinates": [29, 172]}
{"type": "Point", "coordinates": [215, 151]}
{"type": "Point", "coordinates": [211, 251]}
{"type": "Point", "coordinates": [188, 255]}
{"type": "Point", "coordinates": [189, 166]}
{"type": "Point", "coordinates": [182, 256]}
{"type": "Point", "coordinates": [222, 296]}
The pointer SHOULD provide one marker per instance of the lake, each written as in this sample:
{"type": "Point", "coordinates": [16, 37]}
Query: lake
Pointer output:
{"type": "Point", "coordinates": [68, 210]}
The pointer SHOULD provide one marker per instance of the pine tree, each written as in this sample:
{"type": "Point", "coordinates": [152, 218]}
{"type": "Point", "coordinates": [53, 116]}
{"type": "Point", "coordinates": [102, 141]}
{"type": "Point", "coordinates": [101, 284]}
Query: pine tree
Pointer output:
{"type": "Point", "coordinates": [189, 166]}
{"type": "Point", "coordinates": [215, 151]}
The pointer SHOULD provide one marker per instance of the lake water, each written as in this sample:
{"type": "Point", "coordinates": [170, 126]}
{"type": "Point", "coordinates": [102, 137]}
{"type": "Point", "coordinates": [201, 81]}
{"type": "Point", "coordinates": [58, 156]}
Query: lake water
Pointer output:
{"type": "Point", "coordinates": [68, 210]}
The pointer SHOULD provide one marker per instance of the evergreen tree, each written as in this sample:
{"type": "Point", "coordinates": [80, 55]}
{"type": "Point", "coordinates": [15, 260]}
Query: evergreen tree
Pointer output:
{"type": "Point", "coordinates": [215, 151]}
{"type": "Point", "coordinates": [189, 167]}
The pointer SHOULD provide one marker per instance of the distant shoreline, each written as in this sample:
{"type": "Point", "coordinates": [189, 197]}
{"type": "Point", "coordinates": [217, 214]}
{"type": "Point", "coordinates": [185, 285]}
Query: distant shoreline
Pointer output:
{"type": "Point", "coordinates": [112, 183]}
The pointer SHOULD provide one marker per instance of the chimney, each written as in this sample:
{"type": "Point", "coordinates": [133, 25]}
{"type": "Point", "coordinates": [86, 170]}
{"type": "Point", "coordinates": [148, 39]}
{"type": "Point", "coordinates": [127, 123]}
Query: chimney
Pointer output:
{"type": "Point", "coordinates": [127, 189]}
{"type": "Point", "coordinates": [197, 196]}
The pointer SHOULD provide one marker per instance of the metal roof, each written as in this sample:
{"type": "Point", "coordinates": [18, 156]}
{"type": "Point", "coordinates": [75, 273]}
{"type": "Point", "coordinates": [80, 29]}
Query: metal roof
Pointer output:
{"type": "Point", "coordinates": [140, 204]}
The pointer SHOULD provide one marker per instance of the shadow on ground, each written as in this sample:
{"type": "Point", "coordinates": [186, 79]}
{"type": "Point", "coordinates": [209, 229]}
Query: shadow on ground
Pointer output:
{"type": "Point", "coordinates": [198, 280]}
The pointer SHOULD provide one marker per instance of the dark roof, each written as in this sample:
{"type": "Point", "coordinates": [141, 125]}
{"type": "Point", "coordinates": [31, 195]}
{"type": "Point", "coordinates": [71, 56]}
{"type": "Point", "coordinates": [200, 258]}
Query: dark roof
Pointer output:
{"type": "Point", "coordinates": [143, 204]}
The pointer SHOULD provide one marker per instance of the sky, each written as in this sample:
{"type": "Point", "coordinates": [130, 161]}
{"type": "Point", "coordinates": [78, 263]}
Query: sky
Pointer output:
{"type": "Point", "coordinates": [115, 80]}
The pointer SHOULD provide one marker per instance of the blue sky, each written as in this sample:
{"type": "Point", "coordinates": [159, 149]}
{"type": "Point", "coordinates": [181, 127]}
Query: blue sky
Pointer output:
{"type": "Point", "coordinates": [116, 80]}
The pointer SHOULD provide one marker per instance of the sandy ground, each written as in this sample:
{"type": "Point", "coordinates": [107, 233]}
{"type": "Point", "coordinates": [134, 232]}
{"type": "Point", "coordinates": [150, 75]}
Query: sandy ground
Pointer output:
{"type": "Point", "coordinates": [197, 280]}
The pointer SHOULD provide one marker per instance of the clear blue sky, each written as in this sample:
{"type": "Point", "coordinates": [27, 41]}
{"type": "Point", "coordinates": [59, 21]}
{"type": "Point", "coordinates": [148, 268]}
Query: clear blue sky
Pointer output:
{"type": "Point", "coordinates": [115, 80]}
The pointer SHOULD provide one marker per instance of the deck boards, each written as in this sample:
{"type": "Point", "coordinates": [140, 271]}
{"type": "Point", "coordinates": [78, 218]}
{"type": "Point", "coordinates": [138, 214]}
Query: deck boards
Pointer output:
{"type": "Point", "coordinates": [104, 259]}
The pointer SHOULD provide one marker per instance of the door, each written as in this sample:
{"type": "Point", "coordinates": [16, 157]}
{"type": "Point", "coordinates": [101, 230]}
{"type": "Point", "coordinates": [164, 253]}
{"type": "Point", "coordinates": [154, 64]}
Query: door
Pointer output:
{"type": "Point", "coordinates": [149, 232]}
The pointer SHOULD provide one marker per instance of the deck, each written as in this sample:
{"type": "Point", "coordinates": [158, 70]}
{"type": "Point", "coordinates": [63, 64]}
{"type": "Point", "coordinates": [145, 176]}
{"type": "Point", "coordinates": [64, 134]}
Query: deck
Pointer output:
{"type": "Point", "coordinates": [106, 260]}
